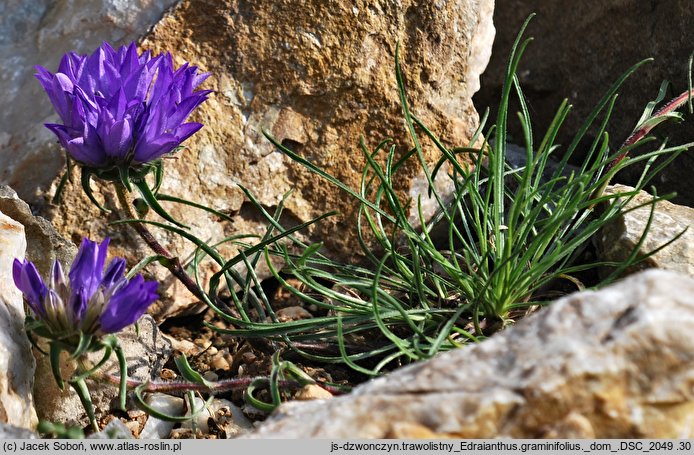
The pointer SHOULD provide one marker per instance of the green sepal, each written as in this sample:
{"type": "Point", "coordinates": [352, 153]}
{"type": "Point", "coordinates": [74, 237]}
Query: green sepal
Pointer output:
{"type": "Point", "coordinates": [189, 374]}
{"type": "Point", "coordinates": [158, 175]}
{"type": "Point", "coordinates": [54, 358]}
{"type": "Point", "coordinates": [84, 345]}
{"type": "Point", "coordinates": [37, 327]}
{"type": "Point", "coordinates": [85, 180]}
{"type": "Point", "coordinates": [153, 203]}
{"type": "Point", "coordinates": [124, 175]}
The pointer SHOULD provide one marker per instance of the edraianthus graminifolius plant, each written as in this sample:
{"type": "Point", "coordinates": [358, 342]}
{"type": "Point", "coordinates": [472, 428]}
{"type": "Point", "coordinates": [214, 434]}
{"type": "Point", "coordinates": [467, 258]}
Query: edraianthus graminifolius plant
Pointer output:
{"type": "Point", "coordinates": [121, 111]}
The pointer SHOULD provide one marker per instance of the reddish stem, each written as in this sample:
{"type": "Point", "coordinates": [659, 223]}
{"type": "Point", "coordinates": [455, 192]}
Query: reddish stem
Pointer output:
{"type": "Point", "coordinates": [224, 385]}
{"type": "Point", "coordinates": [641, 132]}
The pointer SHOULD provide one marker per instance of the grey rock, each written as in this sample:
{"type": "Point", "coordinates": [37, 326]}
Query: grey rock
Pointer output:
{"type": "Point", "coordinates": [160, 429]}
{"type": "Point", "coordinates": [12, 432]}
{"type": "Point", "coordinates": [616, 363]}
{"type": "Point", "coordinates": [114, 430]}
{"type": "Point", "coordinates": [227, 417]}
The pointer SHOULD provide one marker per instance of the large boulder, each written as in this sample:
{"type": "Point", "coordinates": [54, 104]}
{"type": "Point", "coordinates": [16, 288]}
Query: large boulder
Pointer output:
{"type": "Point", "coordinates": [317, 76]}
{"type": "Point", "coordinates": [616, 363]}
{"type": "Point", "coordinates": [580, 48]}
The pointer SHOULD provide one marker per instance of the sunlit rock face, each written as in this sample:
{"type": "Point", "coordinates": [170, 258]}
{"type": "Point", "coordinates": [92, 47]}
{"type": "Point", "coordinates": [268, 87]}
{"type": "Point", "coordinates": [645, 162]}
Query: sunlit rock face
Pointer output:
{"type": "Point", "coordinates": [317, 76]}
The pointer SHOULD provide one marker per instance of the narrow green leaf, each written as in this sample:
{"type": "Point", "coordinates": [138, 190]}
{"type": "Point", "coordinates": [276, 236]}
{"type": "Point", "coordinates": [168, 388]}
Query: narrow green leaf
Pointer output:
{"type": "Point", "coordinates": [153, 203]}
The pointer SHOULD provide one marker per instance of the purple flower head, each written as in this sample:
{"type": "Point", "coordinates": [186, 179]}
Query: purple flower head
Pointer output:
{"type": "Point", "coordinates": [119, 108]}
{"type": "Point", "coordinates": [93, 301]}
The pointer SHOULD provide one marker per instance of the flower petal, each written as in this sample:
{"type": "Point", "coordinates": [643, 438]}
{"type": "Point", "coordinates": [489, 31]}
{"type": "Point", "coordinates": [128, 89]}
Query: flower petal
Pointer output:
{"type": "Point", "coordinates": [151, 150]}
{"type": "Point", "coordinates": [28, 280]}
{"type": "Point", "coordinates": [87, 269]}
{"type": "Point", "coordinates": [114, 273]}
{"type": "Point", "coordinates": [118, 140]}
{"type": "Point", "coordinates": [128, 304]}
{"type": "Point", "coordinates": [186, 130]}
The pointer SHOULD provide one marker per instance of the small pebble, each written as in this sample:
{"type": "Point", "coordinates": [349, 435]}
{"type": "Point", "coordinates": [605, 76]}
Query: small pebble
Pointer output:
{"type": "Point", "coordinates": [202, 344]}
{"type": "Point", "coordinates": [184, 346]}
{"type": "Point", "coordinates": [220, 324]}
{"type": "Point", "coordinates": [312, 392]}
{"type": "Point", "coordinates": [210, 376]}
{"type": "Point", "coordinates": [226, 416]}
{"type": "Point", "coordinates": [134, 427]}
{"type": "Point", "coordinates": [168, 374]}
{"type": "Point", "coordinates": [114, 430]}
{"type": "Point", "coordinates": [249, 357]}
{"type": "Point", "coordinates": [220, 362]}
{"type": "Point", "coordinates": [293, 313]}
{"type": "Point", "coordinates": [185, 433]}
{"type": "Point", "coordinates": [135, 413]}
{"type": "Point", "coordinates": [159, 429]}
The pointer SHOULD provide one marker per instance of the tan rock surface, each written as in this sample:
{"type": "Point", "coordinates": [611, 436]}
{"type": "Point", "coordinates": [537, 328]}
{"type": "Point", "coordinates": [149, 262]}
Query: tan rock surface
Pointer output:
{"type": "Point", "coordinates": [617, 240]}
{"type": "Point", "coordinates": [317, 75]}
{"type": "Point", "coordinates": [610, 364]}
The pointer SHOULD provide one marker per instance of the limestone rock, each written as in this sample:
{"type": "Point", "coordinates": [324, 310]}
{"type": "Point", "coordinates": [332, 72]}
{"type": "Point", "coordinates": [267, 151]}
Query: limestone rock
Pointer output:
{"type": "Point", "coordinates": [160, 429]}
{"type": "Point", "coordinates": [39, 32]}
{"type": "Point", "coordinates": [616, 363]}
{"type": "Point", "coordinates": [114, 430]}
{"type": "Point", "coordinates": [227, 418]}
{"type": "Point", "coordinates": [580, 48]}
{"type": "Point", "coordinates": [12, 432]}
{"type": "Point", "coordinates": [44, 244]}
{"type": "Point", "coordinates": [618, 239]}
{"type": "Point", "coordinates": [317, 81]}
{"type": "Point", "coordinates": [16, 362]}
{"type": "Point", "coordinates": [146, 354]}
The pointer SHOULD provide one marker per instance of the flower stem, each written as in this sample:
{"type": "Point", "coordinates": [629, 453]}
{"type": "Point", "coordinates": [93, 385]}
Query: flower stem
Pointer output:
{"type": "Point", "coordinates": [173, 263]}
{"type": "Point", "coordinates": [639, 134]}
